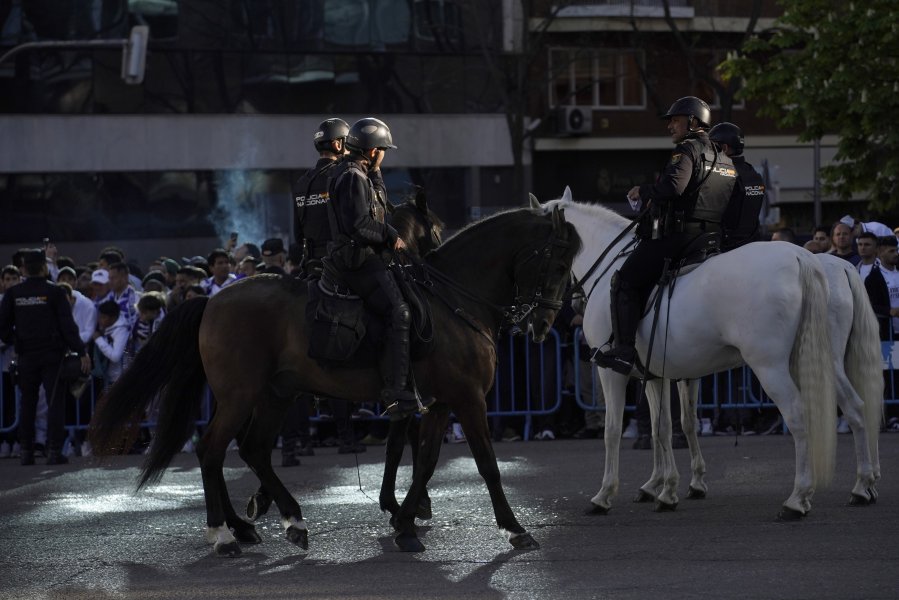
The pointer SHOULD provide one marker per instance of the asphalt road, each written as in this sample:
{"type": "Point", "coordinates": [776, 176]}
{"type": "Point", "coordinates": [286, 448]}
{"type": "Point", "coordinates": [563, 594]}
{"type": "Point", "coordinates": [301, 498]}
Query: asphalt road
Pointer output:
{"type": "Point", "coordinates": [80, 531]}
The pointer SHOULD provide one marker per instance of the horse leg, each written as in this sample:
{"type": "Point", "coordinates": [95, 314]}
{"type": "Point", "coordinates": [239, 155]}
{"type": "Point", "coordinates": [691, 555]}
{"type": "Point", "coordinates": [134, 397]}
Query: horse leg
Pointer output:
{"type": "Point", "coordinates": [477, 432]}
{"type": "Point", "coordinates": [396, 440]}
{"type": "Point", "coordinates": [688, 390]}
{"type": "Point", "coordinates": [665, 476]}
{"type": "Point", "coordinates": [849, 402]}
{"type": "Point", "coordinates": [424, 502]}
{"type": "Point", "coordinates": [433, 426]}
{"type": "Point", "coordinates": [613, 387]}
{"type": "Point", "coordinates": [256, 450]}
{"type": "Point", "coordinates": [779, 385]}
{"type": "Point", "coordinates": [211, 452]}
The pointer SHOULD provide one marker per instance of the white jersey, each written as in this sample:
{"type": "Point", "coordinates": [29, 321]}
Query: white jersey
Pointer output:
{"type": "Point", "coordinates": [892, 280]}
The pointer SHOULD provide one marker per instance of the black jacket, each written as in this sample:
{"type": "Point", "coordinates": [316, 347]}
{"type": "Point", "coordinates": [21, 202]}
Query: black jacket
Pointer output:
{"type": "Point", "coordinates": [311, 197]}
{"type": "Point", "coordinates": [879, 295]}
{"type": "Point", "coordinates": [741, 218]}
{"type": "Point", "coordinates": [37, 316]}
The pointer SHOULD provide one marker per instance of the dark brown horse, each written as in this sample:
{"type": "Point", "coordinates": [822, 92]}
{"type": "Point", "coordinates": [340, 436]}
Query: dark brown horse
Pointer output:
{"type": "Point", "coordinates": [250, 343]}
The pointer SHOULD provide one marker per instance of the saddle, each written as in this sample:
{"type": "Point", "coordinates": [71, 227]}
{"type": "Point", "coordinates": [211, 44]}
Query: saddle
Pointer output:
{"type": "Point", "coordinates": [343, 332]}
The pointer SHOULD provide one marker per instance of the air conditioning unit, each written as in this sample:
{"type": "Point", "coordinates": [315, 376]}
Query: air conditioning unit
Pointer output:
{"type": "Point", "coordinates": [574, 120]}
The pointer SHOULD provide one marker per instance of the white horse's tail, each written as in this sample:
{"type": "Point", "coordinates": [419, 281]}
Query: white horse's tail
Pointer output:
{"type": "Point", "coordinates": [810, 365]}
{"type": "Point", "coordinates": [863, 360]}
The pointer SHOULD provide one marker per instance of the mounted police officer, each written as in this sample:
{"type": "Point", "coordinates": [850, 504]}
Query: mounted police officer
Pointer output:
{"type": "Point", "coordinates": [359, 235]}
{"type": "Point", "coordinates": [686, 202]}
{"type": "Point", "coordinates": [310, 193]}
{"type": "Point", "coordinates": [741, 219]}
{"type": "Point", "coordinates": [36, 314]}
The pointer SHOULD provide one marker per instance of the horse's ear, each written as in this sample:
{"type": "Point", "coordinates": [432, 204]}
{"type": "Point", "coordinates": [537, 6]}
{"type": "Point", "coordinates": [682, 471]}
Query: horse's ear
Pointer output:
{"type": "Point", "coordinates": [535, 204]}
{"type": "Point", "coordinates": [566, 195]}
{"type": "Point", "coordinates": [421, 200]}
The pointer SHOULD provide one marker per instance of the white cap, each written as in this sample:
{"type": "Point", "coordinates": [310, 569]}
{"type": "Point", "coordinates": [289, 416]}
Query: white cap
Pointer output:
{"type": "Point", "coordinates": [100, 276]}
{"type": "Point", "coordinates": [848, 221]}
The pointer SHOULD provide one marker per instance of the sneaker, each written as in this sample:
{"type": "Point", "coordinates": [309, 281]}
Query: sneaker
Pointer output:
{"type": "Point", "coordinates": [706, 427]}
{"type": "Point", "coordinates": [510, 435]}
{"type": "Point", "coordinates": [455, 435]}
{"type": "Point", "coordinates": [5, 450]}
{"type": "Point", "coordinates": [843, 426]}
{"type": "Point", "coordinates": [545, 435]}
{"type": "Point", "coordinates": [631, 431]}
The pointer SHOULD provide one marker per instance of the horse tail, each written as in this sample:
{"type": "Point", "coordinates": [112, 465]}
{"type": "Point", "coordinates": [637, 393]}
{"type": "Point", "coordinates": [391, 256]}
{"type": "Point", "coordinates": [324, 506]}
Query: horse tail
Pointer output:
{"type": "Point", "coordinates": [863, 360]}
{"type": "Point", "coordinates": [811, 365]}
{"type": "Point", "coordinates": [167, 367]}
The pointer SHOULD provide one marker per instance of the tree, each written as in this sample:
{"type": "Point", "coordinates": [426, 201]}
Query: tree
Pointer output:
{"type": "Point", "coordinates": [830, 67]}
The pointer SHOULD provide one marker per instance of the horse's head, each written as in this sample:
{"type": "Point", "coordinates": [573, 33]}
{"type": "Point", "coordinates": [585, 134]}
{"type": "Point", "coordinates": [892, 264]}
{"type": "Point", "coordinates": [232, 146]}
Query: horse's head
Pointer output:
{"type": "Point", "coordinates": [542, 276]}
{"type": "Point", "coordinates": [417, 225]}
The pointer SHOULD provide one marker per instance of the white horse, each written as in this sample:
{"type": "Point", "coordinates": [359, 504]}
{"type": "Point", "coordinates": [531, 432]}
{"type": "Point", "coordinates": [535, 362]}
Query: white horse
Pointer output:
{"type": "Point", "coordinates": [764, 305]}
{"type": "Point", "coordinates": [855, 346]}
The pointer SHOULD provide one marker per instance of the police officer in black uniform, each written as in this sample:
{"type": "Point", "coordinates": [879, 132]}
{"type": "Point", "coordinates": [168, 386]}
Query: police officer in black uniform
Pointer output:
{"type": "Point", "coordinates": [741, 219]}
{"type": "Point", "coordinates": [359, 234]}
{"type": "Point", "coordinates": [687, 201]}
{"type": "Point", "coordinates": [310, 194]}
{"type": "Point", "coordinates": [36, 315]}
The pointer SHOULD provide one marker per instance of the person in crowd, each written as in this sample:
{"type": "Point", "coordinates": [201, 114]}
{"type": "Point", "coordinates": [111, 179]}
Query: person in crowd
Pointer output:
{"type": "Point", "coordinates": [171, 267]}
{"type": "Point", "coordinates": [186, 277]}
{"type": "Point", "coordinates": [67, 275]}
{"type": "Point", "coordinates": [154, 281]}
{"type": "Point", "coordinates": [841, 242]}
{"type": "Point", "coordinates": [150, 313]}
{"type": "Point", "coordinates": [857, 227]}
{"type": "Point", "coordinates": [247, 250]}
{"type": "Point", "coordinates": [247, 267]}
{"type": "Point", "coordinates": [867, 244]}
{"type": "Point", "coordinates": [821, 235]}
{"type": "Point", "coordinates": [690, 196]}
{"type": "Point", "coordinates": [784, 234]}
{"type": "Point", "coordinates": [882, 285]}
{"type": "Point", "coordinates": [274, 256]}
{"type": "Point", "coordinates": [194, 291]}
{"type": "Point", "coordinates": [220, 265]}
{"type": "Point", "coordinates": [37, 317]}
{"type": "Point", "coordinates": [99, 285]}
{"type": "Point", "coordinates": [122, 293]}
{"type": "Point", "coordinates": [110, 339]}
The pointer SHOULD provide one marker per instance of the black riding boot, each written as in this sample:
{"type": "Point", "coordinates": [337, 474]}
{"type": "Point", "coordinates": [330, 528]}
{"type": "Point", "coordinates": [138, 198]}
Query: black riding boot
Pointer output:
{"type": "Point", "coordinates": [626, 311]}
{"type": "Point", "coordinates": [398, 401]}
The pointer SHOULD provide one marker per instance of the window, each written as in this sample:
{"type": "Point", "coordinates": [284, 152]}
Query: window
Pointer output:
{"type": "Point", "coordinates": [608, 79]}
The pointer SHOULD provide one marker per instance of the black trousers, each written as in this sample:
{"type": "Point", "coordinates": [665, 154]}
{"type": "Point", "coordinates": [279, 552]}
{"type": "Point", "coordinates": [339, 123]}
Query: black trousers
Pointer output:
{"type": "Point", "coordinates": [36, 369]}
{"type": "Point", "coordinates": [375, 284]}
{"type": "Point", "coordinates": [643, 268]}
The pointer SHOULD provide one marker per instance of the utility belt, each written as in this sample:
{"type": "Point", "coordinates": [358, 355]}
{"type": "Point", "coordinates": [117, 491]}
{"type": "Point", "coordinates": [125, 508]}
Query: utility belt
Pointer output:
{"type": "Point", "coordinates": [701, 226]}
{"type": "Point", "coordinates": [348, 254]}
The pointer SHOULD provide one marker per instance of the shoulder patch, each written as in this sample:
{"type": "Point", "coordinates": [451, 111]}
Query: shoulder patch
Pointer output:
{"type": "Point", "coordinates": [675, 158]}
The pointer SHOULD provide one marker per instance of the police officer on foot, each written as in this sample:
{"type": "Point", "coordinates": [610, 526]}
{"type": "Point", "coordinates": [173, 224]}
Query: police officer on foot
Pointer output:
{"type": "Point", "coordinates": [359, 234]}
{"type": "Point", "coordinates": [688, 200]}
{"type": "Point", "coordinates": [36, 315]}
{"type": "Point", "coordinates": [741, 219]}
{"type": "Point", "coordinates": [310, 194]}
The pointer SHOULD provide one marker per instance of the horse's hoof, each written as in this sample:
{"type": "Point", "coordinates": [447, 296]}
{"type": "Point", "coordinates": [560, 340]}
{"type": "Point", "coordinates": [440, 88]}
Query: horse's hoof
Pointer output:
{"type": "Point", "coordinates": [524, 541]}
{"type": "Point", "coordinates": [229, 550]}
{"type": "Point", "coordinates": [643, 496]}
{"type": "Point", "coordinates": [258, 505]}
{"type": "Point", "coordinates": [596, 509]}
{"type": "Point", "coordinates": [408, 542]}
{"type": "Point", "coordinates": [695, 494]}
{"type": "Point", "coordinates": [859, 500]}
{"type": "Point", "coordinates": [298, 537]}
{"type": "Point", "coordinates": [665, 506]}
{"type": "Point", "coordinates": [789, 515]}
{"type": "Point", "coordinates": [424, 511]}
{"type": "Point", "coordinates": [873, 493]}
{"type": "Point", "coordinates": [247, 535]}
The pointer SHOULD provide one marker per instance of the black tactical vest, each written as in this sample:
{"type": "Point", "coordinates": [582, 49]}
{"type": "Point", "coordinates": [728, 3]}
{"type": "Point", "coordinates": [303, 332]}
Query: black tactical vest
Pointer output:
{"type": "Point", "coordinates": [715, 176]}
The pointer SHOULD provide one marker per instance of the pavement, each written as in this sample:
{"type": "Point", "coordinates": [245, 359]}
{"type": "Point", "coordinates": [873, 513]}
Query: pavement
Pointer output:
{"type": "Point", "coordinates": [80, 531]}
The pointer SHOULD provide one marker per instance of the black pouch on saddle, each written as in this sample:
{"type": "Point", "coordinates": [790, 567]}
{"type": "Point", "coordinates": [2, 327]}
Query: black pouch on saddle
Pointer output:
{"type": "Point", "coordinates": [336, 323]}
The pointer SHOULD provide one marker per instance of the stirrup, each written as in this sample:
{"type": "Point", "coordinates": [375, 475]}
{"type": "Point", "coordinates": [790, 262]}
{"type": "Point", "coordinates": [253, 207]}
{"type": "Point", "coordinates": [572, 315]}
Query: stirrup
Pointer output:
{"type": "Point", "coordinates": [620, 359]}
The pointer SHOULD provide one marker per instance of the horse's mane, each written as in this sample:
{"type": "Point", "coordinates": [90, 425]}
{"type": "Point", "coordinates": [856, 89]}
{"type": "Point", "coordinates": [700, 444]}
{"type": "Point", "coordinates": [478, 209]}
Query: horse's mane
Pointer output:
{"type": "Point", "coordinates": [594, 210]}
{"type": "Point", "coordinates": [461, 236]}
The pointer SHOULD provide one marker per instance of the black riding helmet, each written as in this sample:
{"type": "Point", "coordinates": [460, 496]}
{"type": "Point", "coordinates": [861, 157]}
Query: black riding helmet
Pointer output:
{"type": "Point", "coordinates": [730, 134]}
{"type": "Point", "coordinates": [328, 131]}
{"type": "Point", "coordinates": [369, 133]}
{"type": "Point", "coordinates": [691, 106]}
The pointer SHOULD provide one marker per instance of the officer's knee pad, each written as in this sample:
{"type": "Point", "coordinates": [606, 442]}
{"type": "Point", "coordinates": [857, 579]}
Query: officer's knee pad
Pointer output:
{"type": "Point", "coordinates": [401, 316]}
